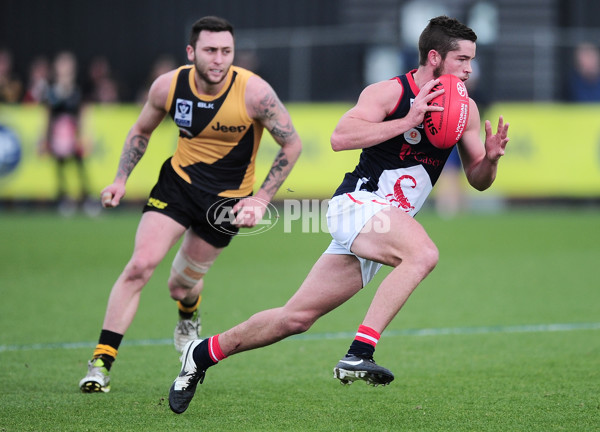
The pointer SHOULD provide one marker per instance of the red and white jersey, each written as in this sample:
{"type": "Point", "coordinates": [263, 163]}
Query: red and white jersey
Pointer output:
{"type": "Point", "coordinates": [403, 169]}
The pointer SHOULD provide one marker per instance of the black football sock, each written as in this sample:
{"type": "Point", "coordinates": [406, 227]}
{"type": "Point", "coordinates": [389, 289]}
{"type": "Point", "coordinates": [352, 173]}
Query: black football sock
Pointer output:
{"type": "Point", "coordinates": [361, 349]}
{"type": "Point", "coordinates": [202, 356]}
{"type": "Point", "coordinates": [364, 342]}
{"type": "Point", "coordinates": [186, 310]}
{"type": "Point", "coordinates": [108, 346]}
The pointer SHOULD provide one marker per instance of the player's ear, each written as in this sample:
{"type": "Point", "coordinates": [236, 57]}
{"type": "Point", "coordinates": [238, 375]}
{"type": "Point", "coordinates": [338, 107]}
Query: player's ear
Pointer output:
{"type": "Point", "coordinates": [191, 55]}
{"type": "Point", "coordinates": [434, 57]}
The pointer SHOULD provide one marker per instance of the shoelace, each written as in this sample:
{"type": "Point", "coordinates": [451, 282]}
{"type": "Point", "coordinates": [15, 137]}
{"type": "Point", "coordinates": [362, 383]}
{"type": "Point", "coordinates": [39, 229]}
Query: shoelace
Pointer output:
{"type": "Point", "coordinates": [197, 376]}
{"type": "Point", "coordinates": [185, 327]}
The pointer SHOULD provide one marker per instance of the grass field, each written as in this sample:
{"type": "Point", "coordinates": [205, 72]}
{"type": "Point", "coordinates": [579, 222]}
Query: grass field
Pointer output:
{"type": "Point", "coordinates": [504, 335]}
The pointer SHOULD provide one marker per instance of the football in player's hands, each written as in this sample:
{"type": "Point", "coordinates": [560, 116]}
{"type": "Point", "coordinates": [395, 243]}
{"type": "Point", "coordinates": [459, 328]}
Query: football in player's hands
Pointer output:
{"type": "Point", "coordinates": [445, 128]}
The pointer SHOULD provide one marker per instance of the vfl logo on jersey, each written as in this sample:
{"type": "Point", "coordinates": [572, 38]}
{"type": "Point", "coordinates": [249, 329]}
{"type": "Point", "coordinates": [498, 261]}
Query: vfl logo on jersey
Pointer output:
{"type": "Point", "coordinates": [183, 112]}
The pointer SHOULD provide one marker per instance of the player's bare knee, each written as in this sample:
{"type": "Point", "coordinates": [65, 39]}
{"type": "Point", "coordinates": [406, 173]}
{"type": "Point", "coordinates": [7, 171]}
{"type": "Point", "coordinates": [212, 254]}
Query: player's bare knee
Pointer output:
{"type": "Point", "coordinates": [423, 256]}
{"type": "Point", "coordinates": [139, 268]}
{"type": "Point", "coordinates": [428, 257]}
{"type": "Point", "coordinates": [298, 322]}
{"type": "Point", "coordinates": [293, 327]}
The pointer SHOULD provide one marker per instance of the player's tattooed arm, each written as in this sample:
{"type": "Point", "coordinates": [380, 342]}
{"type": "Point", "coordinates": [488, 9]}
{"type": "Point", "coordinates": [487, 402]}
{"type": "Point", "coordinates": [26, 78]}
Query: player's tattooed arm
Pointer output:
{"type": "Point", "coordinates": [134, 149]}
{"type": "Point", "coordinates": [275, 118]}
{"type": "Point", "coordinates": [277, 174]}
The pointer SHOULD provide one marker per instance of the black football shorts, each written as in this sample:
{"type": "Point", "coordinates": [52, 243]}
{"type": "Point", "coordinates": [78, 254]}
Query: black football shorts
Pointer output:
{"type": "Point", "coordinates": [207, 214]}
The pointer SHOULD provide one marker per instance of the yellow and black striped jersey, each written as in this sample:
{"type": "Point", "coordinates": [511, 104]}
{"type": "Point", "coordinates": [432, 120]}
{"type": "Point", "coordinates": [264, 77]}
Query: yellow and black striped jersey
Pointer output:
{"type": "Point", "coordinates": [218, 141]}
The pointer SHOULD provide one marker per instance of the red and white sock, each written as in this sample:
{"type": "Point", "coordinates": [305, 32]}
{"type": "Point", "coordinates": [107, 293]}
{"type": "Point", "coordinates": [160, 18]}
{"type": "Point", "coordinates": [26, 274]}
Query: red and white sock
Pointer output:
{"type": "Point", "coordinates": [214, 349]}
{"type": "Point", "coordinates": [364, 342]}
{"type": "Point", "coordinates": [367, 335]}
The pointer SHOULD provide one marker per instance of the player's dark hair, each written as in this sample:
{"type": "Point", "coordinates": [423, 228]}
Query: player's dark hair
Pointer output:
{"type": "Point", "coordinates": [442, 34]}
{"type": "Point", "coordinates": [211, 24]}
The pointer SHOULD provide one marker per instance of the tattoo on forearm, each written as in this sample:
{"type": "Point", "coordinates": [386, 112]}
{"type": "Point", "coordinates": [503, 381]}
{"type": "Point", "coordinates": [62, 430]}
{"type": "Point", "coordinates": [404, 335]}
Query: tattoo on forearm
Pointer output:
{"type": "Point", "coordinates": [132, 153]}
{"type": "Point", "coordinates": [277, 174]}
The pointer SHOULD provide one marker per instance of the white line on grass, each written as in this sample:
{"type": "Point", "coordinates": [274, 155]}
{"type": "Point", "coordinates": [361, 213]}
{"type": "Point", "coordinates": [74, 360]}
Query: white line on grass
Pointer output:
{"type": "Point", "coordinates": [530, 328]}
{"type": "Point", "coordinates": [527, 328]}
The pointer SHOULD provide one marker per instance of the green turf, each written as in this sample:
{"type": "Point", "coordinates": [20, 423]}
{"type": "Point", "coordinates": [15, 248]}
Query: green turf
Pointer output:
{"type": "Point", "coordinates": [471, 350]}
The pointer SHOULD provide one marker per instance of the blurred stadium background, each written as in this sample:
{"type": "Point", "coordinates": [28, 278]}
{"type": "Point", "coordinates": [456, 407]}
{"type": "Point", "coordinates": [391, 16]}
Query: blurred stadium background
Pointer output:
{"type": "Point", "coordinates": [318, 55]}
{"type": "Point", "coordinates": [509, 317]}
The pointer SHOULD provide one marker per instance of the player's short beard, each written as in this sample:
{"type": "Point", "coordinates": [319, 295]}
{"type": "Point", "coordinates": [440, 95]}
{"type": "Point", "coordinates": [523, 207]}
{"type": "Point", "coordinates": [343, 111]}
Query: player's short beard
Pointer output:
{"type": "Point", "coordinates": [437, 72]}
{"type": "Point", "coordinates": [205, 77]}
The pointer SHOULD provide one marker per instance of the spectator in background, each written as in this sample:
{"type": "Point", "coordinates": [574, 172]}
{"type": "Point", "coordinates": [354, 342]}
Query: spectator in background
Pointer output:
{"type": "Point", "coordinates": [161, 65]}
{"type": "Point", "coordinates": [11, 87]}
{"type": "Point", "coordinates": [63, 141]}
{"type": "Point", "coordinates": [101, 86]}
{"type": "Point", "coordinates": [584, 84]}
{"type": "Point", "coordinates": [247, 58]}
{"type": "Point", "coordinates": [37, 86]}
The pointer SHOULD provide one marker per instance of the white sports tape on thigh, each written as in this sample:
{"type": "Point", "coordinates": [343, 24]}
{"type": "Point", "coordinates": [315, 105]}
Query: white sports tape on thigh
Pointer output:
{"type": "Point", "coordinates": [190, 271]}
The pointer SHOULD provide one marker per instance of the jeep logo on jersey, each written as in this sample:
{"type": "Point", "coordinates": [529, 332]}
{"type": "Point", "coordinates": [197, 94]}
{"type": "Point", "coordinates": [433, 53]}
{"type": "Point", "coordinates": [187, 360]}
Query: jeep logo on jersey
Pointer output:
{"type": "Point", "coordinates": [183, 112]}
{"type": "Point", "coordinates": [224, 128]}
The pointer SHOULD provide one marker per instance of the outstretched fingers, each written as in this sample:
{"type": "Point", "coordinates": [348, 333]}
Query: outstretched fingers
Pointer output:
{"type": "Point", "coordinates": [502, 128]}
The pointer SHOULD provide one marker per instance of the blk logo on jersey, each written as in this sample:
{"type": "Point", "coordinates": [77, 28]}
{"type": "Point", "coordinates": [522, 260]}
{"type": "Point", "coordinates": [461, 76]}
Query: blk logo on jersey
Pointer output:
{"type": "Point", "coordinates": [183, 112]}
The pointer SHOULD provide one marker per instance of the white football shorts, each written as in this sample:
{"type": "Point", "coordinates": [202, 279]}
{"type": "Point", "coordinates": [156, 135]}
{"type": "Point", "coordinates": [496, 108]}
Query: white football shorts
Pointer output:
{"type": "Point", "coordinates": [347, 214]}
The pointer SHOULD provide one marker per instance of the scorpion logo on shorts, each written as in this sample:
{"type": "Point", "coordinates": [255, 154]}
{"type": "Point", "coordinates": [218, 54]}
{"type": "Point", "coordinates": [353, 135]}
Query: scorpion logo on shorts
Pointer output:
{"type": "Point", "coordinates": [398, 196]}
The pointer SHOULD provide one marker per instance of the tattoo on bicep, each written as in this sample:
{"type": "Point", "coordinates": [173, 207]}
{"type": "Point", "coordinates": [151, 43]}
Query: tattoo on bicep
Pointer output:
{"type": "Point", "coordinates": [132, 153]}
{"type": "Point", "coordinates": [270, 109]}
